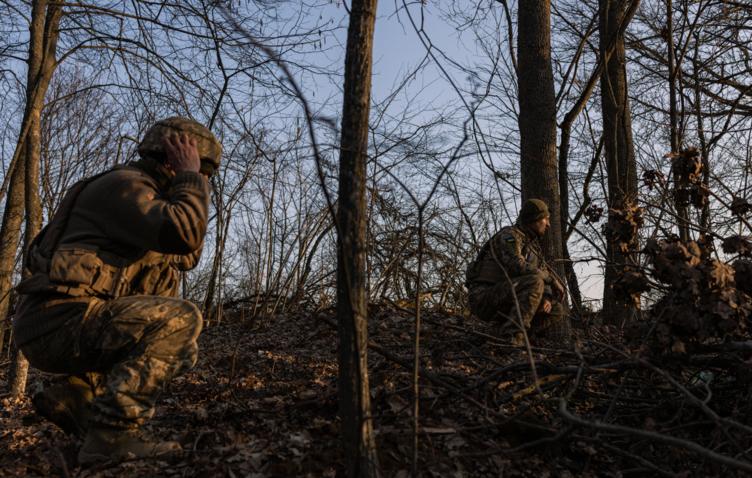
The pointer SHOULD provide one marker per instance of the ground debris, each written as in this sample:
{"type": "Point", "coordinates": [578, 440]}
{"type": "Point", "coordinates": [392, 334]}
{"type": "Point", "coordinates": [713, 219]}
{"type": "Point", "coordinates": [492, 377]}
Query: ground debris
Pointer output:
{"type": "Point", "coordinates": [262, 402]}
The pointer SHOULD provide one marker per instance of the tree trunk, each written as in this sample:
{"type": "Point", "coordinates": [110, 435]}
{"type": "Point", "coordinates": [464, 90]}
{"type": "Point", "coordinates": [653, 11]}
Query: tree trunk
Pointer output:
{"type": "Point", "coordinates": [705, 213]}
{"type": "Point", "coordinates": [42, 46]}
{"type": "Point", "coordinates": [537, 120]}
{"type": "Point", "coordinates": [354, 399]}
{"type": "Point", "coordinates": [619, 150]}
{"type": "Point", "coordinates": [10, 233]}
{"type": "Point", "coordinates": [682, 210]}
{"type": "Point", "coordinates": [208, 307]}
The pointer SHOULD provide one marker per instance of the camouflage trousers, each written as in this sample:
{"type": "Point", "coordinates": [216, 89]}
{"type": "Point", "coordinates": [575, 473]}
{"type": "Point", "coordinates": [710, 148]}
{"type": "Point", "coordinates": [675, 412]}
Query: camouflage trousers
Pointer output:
{"type": "Point", "coordinates": [126, 350]}
{"type": "Point", "coordinates": [498, 303]}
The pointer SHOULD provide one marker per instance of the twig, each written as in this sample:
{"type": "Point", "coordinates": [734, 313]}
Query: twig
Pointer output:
{"type": "Point", "coordinates": [638, 459]}
{"type": "Point", "coordinates": [692, 398]}
{"type": "Point", "coordinates": [624, 430]}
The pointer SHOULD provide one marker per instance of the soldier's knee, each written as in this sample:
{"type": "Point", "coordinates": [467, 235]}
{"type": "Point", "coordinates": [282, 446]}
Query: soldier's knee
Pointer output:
{"type": "Point", "coordinates": [532, 282]}
{"type": "Point", "coordinates": [530, 288]}
{"type": "Point", "coordinates": [176, 340]}
{"type": "Point", "coordinates": [181, 322]}
{"type": "Point", "coordinates": [189, 318]}
{"type": "Point", "coordinates": [539, 280]}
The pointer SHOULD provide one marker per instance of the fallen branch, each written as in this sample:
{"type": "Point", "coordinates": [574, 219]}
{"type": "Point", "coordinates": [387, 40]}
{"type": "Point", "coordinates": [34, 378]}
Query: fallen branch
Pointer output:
{"type": "Point", "coordinates": [670, 440]}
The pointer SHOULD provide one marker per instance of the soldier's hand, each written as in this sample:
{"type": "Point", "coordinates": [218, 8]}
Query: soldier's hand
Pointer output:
{"type": "Point", "coordinates": [545, 306]}
{"type": "Point", "coordinates": [182, 153]}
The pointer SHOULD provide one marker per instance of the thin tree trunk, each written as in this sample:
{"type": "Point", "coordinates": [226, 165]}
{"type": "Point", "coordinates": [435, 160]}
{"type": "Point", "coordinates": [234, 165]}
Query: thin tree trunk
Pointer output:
{"type": "Point", "coordinates": [354, 396]}
{"type": "Point", "coordinates": [537, 119]}
{"type": "Point", "coordinates": [619, 150]}
{"type": "Point", "coordinates": [416, 345]}
{"type": "Point", "coordinates": [42, 46]}
{"type": "Point", "coordinates": [566, 128]}
{"type": "Point", "coordinates": [300, 288]}
{"type": "Point", "coordinates": [211, 289]}
{"type": "Point", "coordinates": [19, 365]}
{"type": "Point", "coordinates": [675, 140]}
{"type": "Point", "coordinates": [10, 233]}
{"type": "Point", "coordinates": [705, 213]}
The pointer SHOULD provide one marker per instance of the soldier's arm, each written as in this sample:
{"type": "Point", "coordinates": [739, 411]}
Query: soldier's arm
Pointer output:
{"type": "Point", "coordinates": [187, 262]}
{"type": "Point", "coordinates": [554, 286]}
{"type": "Point", "coordinates": [173, 223]}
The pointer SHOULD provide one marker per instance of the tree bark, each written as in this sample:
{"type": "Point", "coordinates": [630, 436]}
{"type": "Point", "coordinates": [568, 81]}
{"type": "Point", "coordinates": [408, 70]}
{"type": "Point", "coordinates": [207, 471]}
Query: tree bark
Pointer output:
{"type": "Point", "coordinates": [354, 398]}
{"type": "Point", "coordinates": [537, 119]}
{"type": "Point", "coordinates": [619, 149]}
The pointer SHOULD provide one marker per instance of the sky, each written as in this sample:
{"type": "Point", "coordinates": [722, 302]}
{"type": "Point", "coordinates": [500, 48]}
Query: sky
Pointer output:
{"type": "Point", "coordinates": [398, 50]}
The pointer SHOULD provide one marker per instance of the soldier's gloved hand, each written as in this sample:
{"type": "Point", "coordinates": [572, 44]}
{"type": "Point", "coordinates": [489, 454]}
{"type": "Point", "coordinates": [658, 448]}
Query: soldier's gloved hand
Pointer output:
{"type": "Point", "coordinates": [182, 153]}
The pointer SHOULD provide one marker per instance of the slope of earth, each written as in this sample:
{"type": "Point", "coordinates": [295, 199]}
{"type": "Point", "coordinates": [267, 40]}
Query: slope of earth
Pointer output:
{"type": "Point", "coordinates": [262, 402]}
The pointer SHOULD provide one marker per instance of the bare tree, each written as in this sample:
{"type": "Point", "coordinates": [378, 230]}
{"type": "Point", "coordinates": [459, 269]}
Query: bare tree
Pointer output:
{"type": "Point", "coordinates": [45, 18]}
{"type": "Point", "coordinates": [352, 313]}
{"type": "Point", "coordinates": [619, 150]}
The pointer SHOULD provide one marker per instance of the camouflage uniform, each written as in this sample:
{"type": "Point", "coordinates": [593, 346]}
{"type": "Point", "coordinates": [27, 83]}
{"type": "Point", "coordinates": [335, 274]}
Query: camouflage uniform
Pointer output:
{"type": "Point", "coordinates": [510, 270]}
{"type": "Point", "coordinates": [100, 300]}
{"type": "Point", "coordinates": [126, 349]}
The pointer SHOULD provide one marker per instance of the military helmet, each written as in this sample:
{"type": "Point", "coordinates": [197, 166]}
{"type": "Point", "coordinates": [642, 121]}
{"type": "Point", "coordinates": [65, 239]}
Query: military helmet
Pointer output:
{"type": "Point", "coordinates": [532, 210]}
{"type": "Point", "coordinates": [209, 149]}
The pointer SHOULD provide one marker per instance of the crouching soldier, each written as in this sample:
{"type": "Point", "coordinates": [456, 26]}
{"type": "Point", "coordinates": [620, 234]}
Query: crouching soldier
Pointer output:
{"type": "Point", "coordinates": [100, 306]}
{"type": "Point", "coordinates": [510, 284]}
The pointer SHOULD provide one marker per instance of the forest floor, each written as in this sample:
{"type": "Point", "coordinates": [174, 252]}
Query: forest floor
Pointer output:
{"type": "Point", "coordinates": [262, 402]}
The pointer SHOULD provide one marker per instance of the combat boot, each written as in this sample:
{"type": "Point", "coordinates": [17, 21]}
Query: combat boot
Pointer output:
{"type": "Point", "coordinates": [105, 443]}
{"type": "Point", "coordinates": [509, 332]}
{"type": "Point", "coordinates": [66, 404]}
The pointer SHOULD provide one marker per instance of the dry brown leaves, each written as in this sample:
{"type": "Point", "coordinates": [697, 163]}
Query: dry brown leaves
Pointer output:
{"type": "Point", "coordinates": [702, 301]}
{"type": "Point", "coordinates": [623, 226]}
{"type": "Point", "coordinates": [262, 402]}
{"type": "Point", "coordinates": [740, 206]}
{"type": "Point", "coordinates": [688, 170]}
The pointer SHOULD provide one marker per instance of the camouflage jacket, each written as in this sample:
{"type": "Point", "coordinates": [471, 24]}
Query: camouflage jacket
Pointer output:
{"type": "Point", "coordinates": [510, 249]}
{"type": "Point", "coordinates": [129, 231]}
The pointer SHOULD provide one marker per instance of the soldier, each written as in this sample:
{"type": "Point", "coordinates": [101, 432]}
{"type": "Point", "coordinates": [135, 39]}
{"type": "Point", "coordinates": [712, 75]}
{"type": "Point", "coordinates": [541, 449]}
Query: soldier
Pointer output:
{"type": "Point", "coordinates": [510, 273]}
{"type": "Point", "coordinates": [100, 306]}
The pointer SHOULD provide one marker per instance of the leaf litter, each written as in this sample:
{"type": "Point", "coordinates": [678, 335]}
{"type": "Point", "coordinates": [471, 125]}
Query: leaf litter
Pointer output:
{"type": "Point", "coordinates": [262, 402]}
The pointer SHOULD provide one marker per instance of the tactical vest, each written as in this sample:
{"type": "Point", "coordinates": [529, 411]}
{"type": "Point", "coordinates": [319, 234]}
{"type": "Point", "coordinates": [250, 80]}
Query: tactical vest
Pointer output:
{"type": "Point", "coordinates": [80, 270]}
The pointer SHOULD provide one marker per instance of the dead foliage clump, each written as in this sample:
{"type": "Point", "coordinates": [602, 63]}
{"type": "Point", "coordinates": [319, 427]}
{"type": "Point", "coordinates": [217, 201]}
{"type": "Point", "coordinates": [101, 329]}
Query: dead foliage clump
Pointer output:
{"type": "Point", "coordinates": [688, 186]}
{"type": "Point", "coordinates": [702, 302]}
{"type": "Point", "coordinates": [623, 226]}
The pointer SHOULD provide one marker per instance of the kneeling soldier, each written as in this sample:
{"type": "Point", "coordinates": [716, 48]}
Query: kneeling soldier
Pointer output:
{"type": "Point", "coordinates": [100, 304]}
{"type": "Point", "coordinates": [510, 282]}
